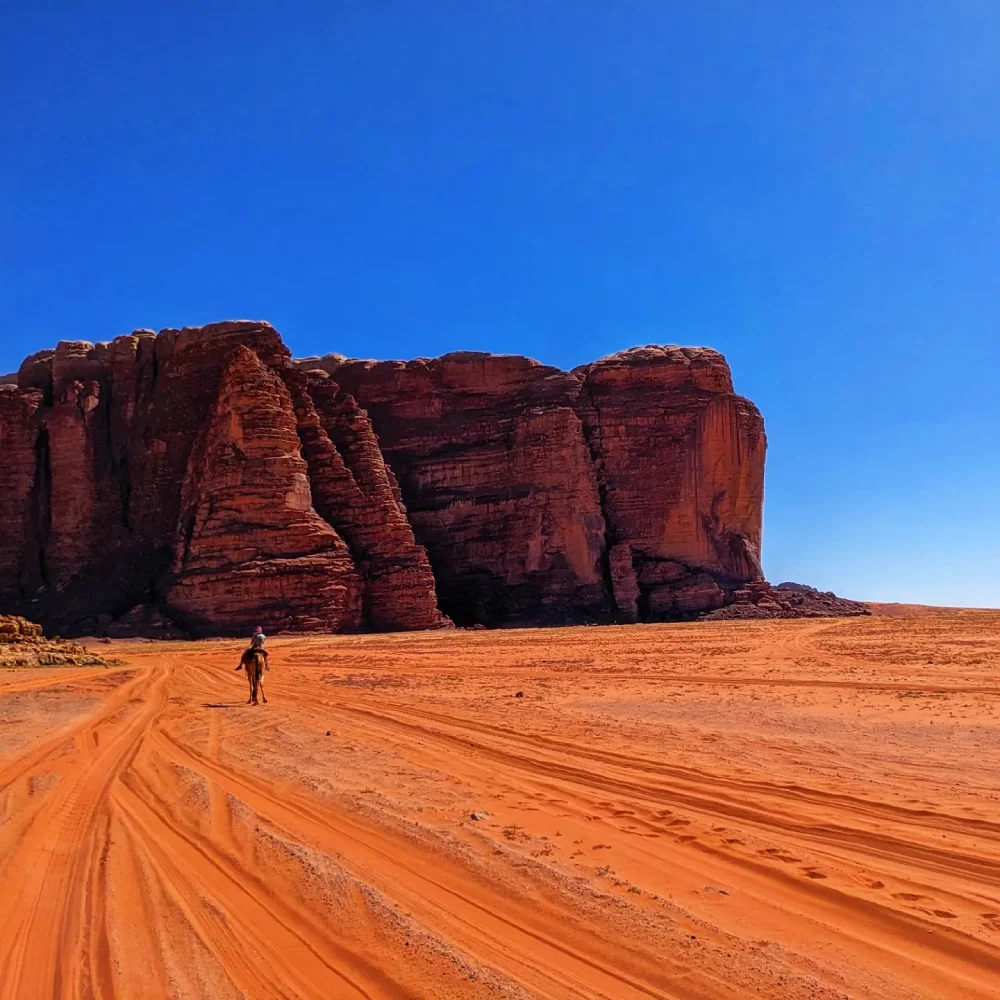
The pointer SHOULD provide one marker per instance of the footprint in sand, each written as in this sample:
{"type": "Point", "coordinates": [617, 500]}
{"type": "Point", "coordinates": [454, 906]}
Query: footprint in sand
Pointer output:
{"type": "Point", "coordinates": [910, 897]}
{"type": "Point", "coordinates": [876, 885]}
{"type": "Point", "coordinates": [947, 914]}
{"type": "Point", "coordinates": [776, 853]}
{"type": "Point", "coordinates": [812, 873]}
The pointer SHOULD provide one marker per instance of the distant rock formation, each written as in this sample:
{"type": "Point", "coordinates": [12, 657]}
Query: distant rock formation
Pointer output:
{"type": "Point", "coordinates": [204, 479]}
{"type": "Point", "coordinates": [788, 600]}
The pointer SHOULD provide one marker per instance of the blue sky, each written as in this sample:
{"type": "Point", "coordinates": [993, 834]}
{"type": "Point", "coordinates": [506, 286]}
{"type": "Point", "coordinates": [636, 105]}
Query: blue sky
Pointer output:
{"type": "Point", "coordinates": [810, 188]}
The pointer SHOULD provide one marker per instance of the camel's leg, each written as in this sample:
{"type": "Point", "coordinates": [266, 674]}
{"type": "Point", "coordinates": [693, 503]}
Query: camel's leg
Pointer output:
{"type": "Point", "coordinates": [250, 683]}
{"type": "Point", "coordinates": [260, 684]}
{"type": "Point", "coordinates": [256, 682]}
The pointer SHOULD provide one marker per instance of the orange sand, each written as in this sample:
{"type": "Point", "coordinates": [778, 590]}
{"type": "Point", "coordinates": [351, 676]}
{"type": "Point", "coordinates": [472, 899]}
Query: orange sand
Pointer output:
{"type": "Point", "coordinates": [776, 809]}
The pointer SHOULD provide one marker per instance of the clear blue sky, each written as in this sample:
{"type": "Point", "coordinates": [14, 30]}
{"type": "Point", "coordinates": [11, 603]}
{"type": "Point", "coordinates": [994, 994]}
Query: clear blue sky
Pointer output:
{"type": "Point", "coordinates": [811, 188]}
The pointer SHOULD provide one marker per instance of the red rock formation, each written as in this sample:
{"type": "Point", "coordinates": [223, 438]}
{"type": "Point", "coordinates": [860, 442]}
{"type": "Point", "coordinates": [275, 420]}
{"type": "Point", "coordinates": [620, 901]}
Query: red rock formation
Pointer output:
{"type": "Point", "coordinates": [144, 622]}
{"type": "Point", "coordinates": [20, 433]}
{"type": "Point", "coordinates": [497, 481]}
{"type": "Point", "coordinates": [355, 494]}
{"type": "Point", "coordinates": [787, 600]}
{"type": "Point", "coordinates": [82, 504]}
{"type": "Point", "coordinates": [23, 645]}
{"type": "Point", "coordinates": [250, 548]}
{"type": "Point", "coordinates": [680, 462]}
{"type": "Point", "coordinates": [183, 372]}
{"type": "Point", "coordinates": [112, 429]}
{"type": "Point", "coordinates": [202, 474]}
{"type": "Point", "coordinates": [631, 486]}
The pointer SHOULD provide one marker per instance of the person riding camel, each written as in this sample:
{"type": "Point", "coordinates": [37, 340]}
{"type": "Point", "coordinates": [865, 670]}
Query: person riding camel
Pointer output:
{"type": "Point", "coordinates": [257, 646]}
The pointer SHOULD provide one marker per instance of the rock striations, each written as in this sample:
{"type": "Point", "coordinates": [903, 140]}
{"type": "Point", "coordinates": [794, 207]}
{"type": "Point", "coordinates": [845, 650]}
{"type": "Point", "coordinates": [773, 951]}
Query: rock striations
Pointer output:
{"type": "Point", "coordinates": [201, 479]}
{"type": "Point", "coordinates": [249, 544]}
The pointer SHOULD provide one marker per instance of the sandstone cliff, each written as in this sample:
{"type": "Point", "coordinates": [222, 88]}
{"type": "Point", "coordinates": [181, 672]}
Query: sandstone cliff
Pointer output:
{"type": "Point", "coordinates": [491, 462]}
{"type": "Point", "coordinates": [249, 546]}
{"type": "Point", "coordinates": [680, 459]}
{"type": "Point", "coordinates": [203, 476]}
{"type": "Point", "coordinates": [23, 475]}
{"type": "Point", "coordinates": [170, 471]}
{"type": "Point", "coordinates": [631, 488]}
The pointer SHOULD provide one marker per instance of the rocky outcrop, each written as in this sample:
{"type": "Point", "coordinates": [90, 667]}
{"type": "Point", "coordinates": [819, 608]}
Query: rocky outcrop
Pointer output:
{"type": "Point", "coordinates": [357, 494]}
{"type": "Point", "coordinates": [250, 549]}
{"type": "Point", "coordinates": [22, 644]}
{"type": "Point", "coordinates": [787, 600]}
{"type": "Point", "coordinates": [492, 465]}
{"type": "Point", "coordinates": [143, 622]}
{"type": "Point", "coordinates": [83, 507]}
{"type": "Point", "coordinates": [680, 462]}
{"type": "Point", "coordinates": [119, 451]}
{"type": "Point", "coordinates": [630, 488]}
{"type": "Point", "coordinates": [201, 477]}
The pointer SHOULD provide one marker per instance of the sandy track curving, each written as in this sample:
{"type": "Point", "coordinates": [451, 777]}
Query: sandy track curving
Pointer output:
{"type": "Point", "coordinates": [781, 809]}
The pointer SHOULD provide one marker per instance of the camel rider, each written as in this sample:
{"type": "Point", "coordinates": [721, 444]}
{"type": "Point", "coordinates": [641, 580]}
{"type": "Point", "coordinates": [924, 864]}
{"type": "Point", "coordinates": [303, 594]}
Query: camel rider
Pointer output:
{"type": "Point", "coordinates": [257, 646]}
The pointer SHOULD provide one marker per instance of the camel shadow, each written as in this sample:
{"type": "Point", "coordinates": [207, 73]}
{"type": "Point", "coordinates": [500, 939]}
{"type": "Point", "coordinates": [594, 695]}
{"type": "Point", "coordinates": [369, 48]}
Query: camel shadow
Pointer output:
{"type": "Point", "coordinates": [212, 704]}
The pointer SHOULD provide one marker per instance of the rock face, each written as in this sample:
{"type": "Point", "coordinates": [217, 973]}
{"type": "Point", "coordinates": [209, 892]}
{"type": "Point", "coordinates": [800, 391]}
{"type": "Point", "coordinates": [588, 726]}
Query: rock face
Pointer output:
{"type": "Point", "coordinates": [23, 476]}
{"type": "Point", "coordinates": [175, 471]}
{"type": "Point", "coordinates": [201, 477]}
{"type": "Point", "coordinates": [630, 488]}
{"type": "Point", "coordinates": [250, 548]}
{"type": "Point", "coordinates": [143, 622]}
{"type": "Point", "coordinates": [680, 459]}
{"type": "Point", "coordinates": [493, 468]}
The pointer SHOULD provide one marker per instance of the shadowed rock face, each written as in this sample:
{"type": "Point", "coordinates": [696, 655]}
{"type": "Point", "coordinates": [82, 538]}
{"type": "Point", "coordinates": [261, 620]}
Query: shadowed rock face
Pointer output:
{"type": "Point", "coordinates": [492, 465]}
{"type": "Point", "coordinates": [205, 476]}
{"type": "Point", "coordinates": [21, 474]}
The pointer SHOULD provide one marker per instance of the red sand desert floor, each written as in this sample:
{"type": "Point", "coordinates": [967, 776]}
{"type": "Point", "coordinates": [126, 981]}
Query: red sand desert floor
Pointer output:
{"type": "Point", "coordinates": [777, 809]}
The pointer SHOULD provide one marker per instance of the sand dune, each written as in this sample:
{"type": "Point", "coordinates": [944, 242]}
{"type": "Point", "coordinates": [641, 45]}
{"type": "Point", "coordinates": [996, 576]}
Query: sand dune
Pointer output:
{"type": "Point", "coordinates": [778, 809]}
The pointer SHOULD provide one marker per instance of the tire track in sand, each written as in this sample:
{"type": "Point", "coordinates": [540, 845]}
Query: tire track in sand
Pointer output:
{"type": "Point", "coordinates": [151, 849]}
{"type": "Point", "coordinates": [488, 923]}
{"type": "Point", "coordinates": [48, 925]}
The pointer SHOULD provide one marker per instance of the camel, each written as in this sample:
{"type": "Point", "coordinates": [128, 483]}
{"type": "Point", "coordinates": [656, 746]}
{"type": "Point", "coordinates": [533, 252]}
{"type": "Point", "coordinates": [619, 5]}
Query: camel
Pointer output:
{"type": "Point", "coordinates": [253, 662]}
